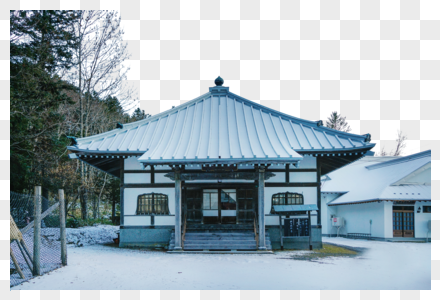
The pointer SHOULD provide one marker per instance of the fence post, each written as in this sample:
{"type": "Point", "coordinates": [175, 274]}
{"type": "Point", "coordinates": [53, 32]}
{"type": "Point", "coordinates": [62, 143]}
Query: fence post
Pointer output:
{"type": "Point", "coordinates": [63, 239]}
{"type": "Point", "coordinates": [37, 231]}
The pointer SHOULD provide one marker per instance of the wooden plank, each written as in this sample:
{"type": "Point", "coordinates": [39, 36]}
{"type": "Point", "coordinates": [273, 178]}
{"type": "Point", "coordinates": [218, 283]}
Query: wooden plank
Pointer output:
{"type": "Point", "coordinates": [43, 215]}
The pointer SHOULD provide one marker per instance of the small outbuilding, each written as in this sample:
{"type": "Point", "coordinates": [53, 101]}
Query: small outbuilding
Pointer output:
{"type": "Point", "coordinates": [206, 175]}
{"type": "Point", "coordinates": [379, 197]}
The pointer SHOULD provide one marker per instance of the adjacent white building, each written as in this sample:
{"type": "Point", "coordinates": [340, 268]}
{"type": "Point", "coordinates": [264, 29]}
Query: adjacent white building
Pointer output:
{"type": "Point", "coordinates": [387, 197]}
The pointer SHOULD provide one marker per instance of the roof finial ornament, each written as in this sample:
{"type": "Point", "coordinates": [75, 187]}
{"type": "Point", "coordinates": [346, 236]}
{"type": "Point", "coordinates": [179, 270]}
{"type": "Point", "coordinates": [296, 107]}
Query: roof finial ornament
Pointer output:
{"type": "Point", "coordinates": [219, 81]}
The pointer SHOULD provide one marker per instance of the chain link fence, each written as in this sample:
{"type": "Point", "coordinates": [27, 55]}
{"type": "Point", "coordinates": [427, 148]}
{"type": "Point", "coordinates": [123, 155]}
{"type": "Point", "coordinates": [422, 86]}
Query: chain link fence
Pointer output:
{"type": "Point", "coordinates": [34, 251]}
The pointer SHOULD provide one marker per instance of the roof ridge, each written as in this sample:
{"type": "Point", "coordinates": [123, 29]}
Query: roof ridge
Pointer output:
{"type": "Point", "coordinates": [400, 160]}
{"type": "Point", "coordinates": [218, 91]}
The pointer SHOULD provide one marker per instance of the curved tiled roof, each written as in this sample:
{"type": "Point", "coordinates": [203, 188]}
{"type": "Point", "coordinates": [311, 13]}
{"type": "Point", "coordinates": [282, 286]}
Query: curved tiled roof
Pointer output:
{"type": "Point", "coordinates": [221, 126]}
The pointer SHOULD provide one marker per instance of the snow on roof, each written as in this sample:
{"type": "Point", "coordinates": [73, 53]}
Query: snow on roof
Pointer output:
{"type": "Point", "coordinates": [377, 178]}
{"type": "Point", "coordinates": [221, 126]}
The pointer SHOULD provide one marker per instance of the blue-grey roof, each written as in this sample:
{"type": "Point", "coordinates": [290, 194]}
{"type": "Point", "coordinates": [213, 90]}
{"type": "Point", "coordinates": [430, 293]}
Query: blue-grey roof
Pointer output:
{"type": "Point", "coordinates": [294, 208]}
{"type": "Point", "coordinates": [382, 178]}
{"type": "Point", "coordinates": [220, 126]}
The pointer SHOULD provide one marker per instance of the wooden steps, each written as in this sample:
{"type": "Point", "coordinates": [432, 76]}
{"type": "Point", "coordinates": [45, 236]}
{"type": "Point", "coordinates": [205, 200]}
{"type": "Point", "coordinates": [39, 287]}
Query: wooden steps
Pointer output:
{"type": "Point", "coordinates": [242, 240]}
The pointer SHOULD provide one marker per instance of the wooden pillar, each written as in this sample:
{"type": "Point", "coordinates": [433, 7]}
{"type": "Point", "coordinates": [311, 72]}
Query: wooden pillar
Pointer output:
{"type": "Point", "coordinates": [178, 208]}
{"type": "Point", "coordinates": [37, 231]}
{"type": "Point", "coordinates": [318, 189]}
{"type": "Point", "coordinates": [262, 225]}
{"type": "Point", "coordinates": [310, 232]}
{"type": "Point", "coordinates": [63, 228]}
{"type": "Point", "coordinates": [121, 176]}
{"type": "Point", "coordinates": [281, 232]}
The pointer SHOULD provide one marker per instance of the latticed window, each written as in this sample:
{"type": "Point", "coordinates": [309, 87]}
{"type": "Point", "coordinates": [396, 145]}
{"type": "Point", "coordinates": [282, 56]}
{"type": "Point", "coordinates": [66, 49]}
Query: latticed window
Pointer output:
{"type": "Point", "coordinates": [152, 204]}
{"type": "Point", "coordinates": [287, 199]}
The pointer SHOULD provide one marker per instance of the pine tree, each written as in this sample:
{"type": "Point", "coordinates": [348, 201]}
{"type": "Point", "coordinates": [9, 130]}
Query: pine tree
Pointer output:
{"type": "Point", "coordinates": [41, 47]}
{"type": "Point", "coordinates": [337, 122]}
{"type": "Point", "coordinates": [138, 114]}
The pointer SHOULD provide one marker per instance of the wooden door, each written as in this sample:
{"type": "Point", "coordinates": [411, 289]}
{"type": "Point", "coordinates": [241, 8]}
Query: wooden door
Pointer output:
{"type": "Point", "coordinates": [246, 205]}
{"type": "Point", "coordinates": [403, 221]}
{"type": "Point", "coordinates": [194, 205]}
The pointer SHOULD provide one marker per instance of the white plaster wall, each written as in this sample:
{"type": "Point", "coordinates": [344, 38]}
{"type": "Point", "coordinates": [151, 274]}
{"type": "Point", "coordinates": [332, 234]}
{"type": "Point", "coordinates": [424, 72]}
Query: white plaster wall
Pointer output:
{"type": "Point", "coordinates": [327, 212]}
{"type": "Point", "coordinates": [160, 178]}
{"type": "Point", "coordinates": [272, 220]}
{"type": "Point", "coordinates": [421, 220]}
{"type": "Point", "coordinates": [308, 162]}
{"type": "Point", "coordinates": [357, 218]}
{"type": "Point", "coordinates": [137, 220]}
{"type": "Point", "coordinates": [137, 178]}
{"type": "Point", "coordinates": [131, 194]}
{"type": "Point", "coordinates": [302, 177]}
{"type": "Point", "coordinates": [388, 219]}
{"type": "Point", "coordinates": [310, 197]}
{"type": "Point", "coordinates": [132, 163]}
{"type": "Point", "coordinates": [279, 177]}
{"type": "Point", "coordinates": [164, 220]}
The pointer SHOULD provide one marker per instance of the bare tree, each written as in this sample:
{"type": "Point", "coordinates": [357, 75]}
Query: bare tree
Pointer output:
{"type": "Point", "coordinates": [100, 73]}
{"type": "Point", "coordinates": [336, 121]}
{"type": "Point", "coordinates": [401, 144]}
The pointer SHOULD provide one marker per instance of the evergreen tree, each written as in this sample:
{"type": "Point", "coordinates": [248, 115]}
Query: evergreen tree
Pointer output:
{"type": "Point", "coordinates": [138, 114]}
{"type": "Point", "coordinates": [41, 47]}
{"type": "Point", "coordinates": [337, 122]}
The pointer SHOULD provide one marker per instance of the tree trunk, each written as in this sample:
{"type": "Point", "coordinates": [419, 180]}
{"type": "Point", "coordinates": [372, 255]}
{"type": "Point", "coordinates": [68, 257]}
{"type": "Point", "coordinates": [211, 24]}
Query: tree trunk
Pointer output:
{"type": "Point", "coordinates": [45, 200]}
{"type": "Point", "coordinates": [113, 210]}
{"type": "Point", "coordinates": [83, 200]}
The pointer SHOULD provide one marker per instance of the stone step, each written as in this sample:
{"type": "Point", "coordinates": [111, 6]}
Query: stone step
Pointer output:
{"type": "Point", "coordinates": [220, 226]}
{"type": "Point", "coordinates": [220, 242]}
{"type": "Point", "coordinates": [215, 247]}
{"type": "Point", "coordinates": [220, 233]}
{"type": "Point", "coordinates": [220, 247]}
{"type": "Point", "coordinates": [187, 242]}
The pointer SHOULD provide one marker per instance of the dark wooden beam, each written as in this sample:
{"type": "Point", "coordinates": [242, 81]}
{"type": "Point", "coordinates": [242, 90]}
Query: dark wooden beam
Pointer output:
{"type": "Point", "coordinates": [291, 184]}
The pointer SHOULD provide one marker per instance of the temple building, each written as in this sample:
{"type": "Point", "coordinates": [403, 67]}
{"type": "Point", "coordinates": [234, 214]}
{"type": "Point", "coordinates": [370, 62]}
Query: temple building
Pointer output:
{"type": "Point", "coordinates": [221, 173]}
{"type": "Point", "coordinates": [379, 197]}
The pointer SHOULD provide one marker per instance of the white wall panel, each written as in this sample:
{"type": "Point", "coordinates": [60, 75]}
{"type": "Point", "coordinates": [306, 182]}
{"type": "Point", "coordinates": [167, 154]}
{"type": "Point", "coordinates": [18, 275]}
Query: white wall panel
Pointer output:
{"type": "Point", "coordinates": [279, 177]}
{"type": "Point", "coordinates": [421, 220]}
{"type": "Point", "coordinates": [137, 220]}
{"type": "Point", "coordinates": [160, 178]}
{"type": "Point", "coordinates": [132, 163]}
{"type": "Point", "coordinates": [164, 220]}
{"type": "Point", "coordinates": [308, 162]}
{"type": "Point", "coordinates": [302, 177]}
{"type": "Point", "coordinates": [137, 178]}
{"type": "Point", "coordinates": [357, 217]}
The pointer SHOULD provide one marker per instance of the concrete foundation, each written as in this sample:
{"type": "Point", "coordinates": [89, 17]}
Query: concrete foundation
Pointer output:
{"type": "Point", "coordinates": [160, 238]}
{"type": "Point", "coordinates": [299, 243]}
{"type": "Point", "coordinates": [145, 237]}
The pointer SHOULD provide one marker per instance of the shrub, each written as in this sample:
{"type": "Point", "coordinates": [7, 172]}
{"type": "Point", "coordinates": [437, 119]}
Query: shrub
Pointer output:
{"type": "Point", "coordinates": [72, 223]}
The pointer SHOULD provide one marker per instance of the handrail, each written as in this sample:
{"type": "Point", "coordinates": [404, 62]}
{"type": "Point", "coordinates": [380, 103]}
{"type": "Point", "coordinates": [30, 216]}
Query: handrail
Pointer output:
{"type": "Point", "coordinates": [184, 229]}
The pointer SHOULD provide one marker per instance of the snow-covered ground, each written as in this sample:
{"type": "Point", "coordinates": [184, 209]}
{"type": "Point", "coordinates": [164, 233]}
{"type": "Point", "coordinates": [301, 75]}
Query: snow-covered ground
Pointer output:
{"type": "Point", "coordinates": [384, 266]}
{"type": "Point", "coordinates": [83, 236]}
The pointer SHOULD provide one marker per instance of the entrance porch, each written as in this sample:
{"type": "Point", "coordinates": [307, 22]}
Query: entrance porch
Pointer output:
{"type": "Point", "coordinates": [220, 216]}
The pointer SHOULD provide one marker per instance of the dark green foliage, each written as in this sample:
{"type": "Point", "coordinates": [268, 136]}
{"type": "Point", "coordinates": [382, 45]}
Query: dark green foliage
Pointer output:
{"type": "Point", "coordinates": [41, 48]}
{"type": "Point", "coordinates": [76, 223]}
{"type": "Point", "coordinates": [47, 107]}
{"type": "Point", "coordinates": [72, 223]}
{"type": "Point", "coordinates": [138, 114]}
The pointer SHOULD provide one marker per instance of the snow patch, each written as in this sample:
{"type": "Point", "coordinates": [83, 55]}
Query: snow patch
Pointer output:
{"type": "Point", "coordinates": [84, 236]}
